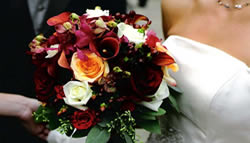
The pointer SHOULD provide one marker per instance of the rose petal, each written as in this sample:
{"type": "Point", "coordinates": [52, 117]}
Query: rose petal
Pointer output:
{"type": "Point", "coordinates": [106, 69]}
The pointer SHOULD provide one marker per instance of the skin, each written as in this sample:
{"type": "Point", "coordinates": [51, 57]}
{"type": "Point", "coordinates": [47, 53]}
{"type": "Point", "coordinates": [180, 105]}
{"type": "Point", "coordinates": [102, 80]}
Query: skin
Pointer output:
{"type": "Point", "coordinates": [21, 107]}
{"type": "Point", "coordinates": [207, 22]}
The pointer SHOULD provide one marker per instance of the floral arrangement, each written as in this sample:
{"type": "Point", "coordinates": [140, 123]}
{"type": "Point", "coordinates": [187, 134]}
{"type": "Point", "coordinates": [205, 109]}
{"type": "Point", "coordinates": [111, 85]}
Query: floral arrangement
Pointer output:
{"type": "Point", "coordinates": [101, 76]}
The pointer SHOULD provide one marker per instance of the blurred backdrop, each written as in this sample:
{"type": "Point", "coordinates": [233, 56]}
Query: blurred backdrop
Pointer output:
{"type": "Point", "coordinates": [151, 9]}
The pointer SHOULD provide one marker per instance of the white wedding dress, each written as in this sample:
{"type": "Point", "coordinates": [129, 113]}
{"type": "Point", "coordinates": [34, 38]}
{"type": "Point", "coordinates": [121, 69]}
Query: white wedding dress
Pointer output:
{"type": "Point", "coordinates": [215, 104]}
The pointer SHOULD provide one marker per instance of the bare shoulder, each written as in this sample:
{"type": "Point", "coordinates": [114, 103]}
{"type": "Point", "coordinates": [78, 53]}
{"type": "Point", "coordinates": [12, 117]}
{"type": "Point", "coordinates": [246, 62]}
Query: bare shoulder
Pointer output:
{"type": "Point", "coordinates": [174, 5]}
{"type": "Point", "coordinates": [174, 10]}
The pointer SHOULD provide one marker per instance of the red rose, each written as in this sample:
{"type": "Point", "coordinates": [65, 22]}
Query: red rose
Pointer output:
{"type": "Point", "coordinates": [84, 119]}
{"type": "Point", "coordinates": [43, 84]}
{"type": "Point", "coordinates": [128, 106]}
{"type": "Point", "coordinates": [145, 80]}
{"type": "Point", "coordinates": [59, 92]}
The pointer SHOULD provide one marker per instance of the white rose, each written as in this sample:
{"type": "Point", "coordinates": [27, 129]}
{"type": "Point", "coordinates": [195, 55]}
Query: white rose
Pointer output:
{"type": "Point", "coordinates": [77, 94]}
{"type": "Point", "coordinates": [131, 33]}
{"type": "Point", "coordinates": [96, 13]}
{"type": "Point", "coordinates": [157, 98]}
{"type": "Point", "coordinates": [54, 50]}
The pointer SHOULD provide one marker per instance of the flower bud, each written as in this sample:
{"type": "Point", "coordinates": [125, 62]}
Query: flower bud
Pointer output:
{"type": "Point", "coordinates": [67, 25]}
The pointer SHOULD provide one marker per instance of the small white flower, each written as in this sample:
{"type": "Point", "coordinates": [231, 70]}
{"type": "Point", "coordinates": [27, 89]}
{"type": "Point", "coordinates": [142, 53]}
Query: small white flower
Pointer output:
{"type": "Point", "coordinates": [96, 13]}
{"type": "Point", "coordinates": [52, 53]}
{"type": "Point", "coordinates": [157, 98]}
{"type": "Point", "coordinates": [131, 33]}
{"type": "Point", "coordinates": [77, 94]}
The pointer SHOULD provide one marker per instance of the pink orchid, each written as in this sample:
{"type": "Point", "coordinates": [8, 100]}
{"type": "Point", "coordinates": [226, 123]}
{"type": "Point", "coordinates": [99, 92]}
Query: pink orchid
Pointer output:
{"type": "Point", "coordinates": [84, 35]}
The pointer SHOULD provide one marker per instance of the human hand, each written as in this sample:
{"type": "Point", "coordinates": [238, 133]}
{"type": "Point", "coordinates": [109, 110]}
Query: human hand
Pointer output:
{"type": "Point", "coordinates": [28, 122]}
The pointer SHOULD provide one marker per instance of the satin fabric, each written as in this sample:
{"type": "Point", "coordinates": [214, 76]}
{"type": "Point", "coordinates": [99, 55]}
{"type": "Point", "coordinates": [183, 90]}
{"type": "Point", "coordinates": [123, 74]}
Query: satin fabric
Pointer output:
{"type": "Point", "coordinates": [215, 104]}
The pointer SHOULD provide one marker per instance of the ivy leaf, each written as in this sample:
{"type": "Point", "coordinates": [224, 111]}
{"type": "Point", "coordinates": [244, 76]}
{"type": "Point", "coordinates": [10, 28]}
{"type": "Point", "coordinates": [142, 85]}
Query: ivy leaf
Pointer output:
{"type": "Point", "coordinates": [145, 116]}
{"type": "Point", "coordinates": [174, 103]}
{"type": "Point", "coordinates": [98, 135]}
{"type": "Point", "coordinates": [128, 138]}
{"type": "Point", "coordinates": [147, 111]}
{"type": "Point", "coordinates": [104, 122]}
{"type": "Point", "coordinates": [160, 112]}
{"type": "Point", "coordinates": [150, 125]}
{"type": "Point", "coordinates": [175, 90]}
{"type": "Point", "coordinates": [53, 122]}
{"type": "Point", "coordinates": [107, 118]}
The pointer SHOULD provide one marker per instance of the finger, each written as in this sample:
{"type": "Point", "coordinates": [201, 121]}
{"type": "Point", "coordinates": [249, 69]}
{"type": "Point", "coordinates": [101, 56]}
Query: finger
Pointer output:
{"type": "Point", "coordinates": [46, 131]}
{"type": "Point", "coordinates": [39, 129]}
{"type": "Point", "coordinates": [43, 136]}
{"type": "Point", "coordinates": [35, 104]}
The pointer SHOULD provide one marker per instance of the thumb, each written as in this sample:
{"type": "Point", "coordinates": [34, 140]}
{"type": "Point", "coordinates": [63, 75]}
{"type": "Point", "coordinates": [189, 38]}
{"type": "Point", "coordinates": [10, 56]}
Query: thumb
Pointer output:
{"type": "Point", "coordinates": [34, 104]}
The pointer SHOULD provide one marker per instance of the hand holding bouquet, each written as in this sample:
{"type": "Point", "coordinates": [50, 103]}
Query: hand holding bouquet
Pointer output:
{"type": "Point", "coordinates": [101, 75]}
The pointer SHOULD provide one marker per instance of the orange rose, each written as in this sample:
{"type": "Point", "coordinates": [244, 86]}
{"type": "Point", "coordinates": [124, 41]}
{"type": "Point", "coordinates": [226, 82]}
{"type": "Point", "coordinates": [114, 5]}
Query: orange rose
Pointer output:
{"type": "Point", "coordinates": [90, 69]}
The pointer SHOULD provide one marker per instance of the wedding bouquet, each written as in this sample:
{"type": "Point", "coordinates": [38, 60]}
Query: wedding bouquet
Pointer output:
{"type": "Point", "coordinates": [101, 76]}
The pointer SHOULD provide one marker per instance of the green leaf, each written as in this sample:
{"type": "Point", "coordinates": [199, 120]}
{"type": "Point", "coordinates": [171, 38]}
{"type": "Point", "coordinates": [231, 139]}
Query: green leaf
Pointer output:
{"type": "Point", "coordinates": [98, 135]}
{"type": "Point", "coordinates": [145, 116]}
{"type": "Point", "coordinates": [53, 122]}
{"type": "Point", "coordinates": [147, 111]}
{"type": "Point", "coordinates": [174, 103]}
{"type": "Point", "coordinates": [45, 114]}
{"type": "Point", "coordinates": [160, 112]}
{"type": "Point", "coordinates": [128, 139]}
{"type": "Point", "coordinates": [175, 89]}
{"type": "Point", "coordinates": [150, 125]}
{"type": "Point", "coordinates": [105, 121]}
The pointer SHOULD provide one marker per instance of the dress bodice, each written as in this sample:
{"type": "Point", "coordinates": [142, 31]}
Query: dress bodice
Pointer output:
{"type": "Point", "coordinates": [216, 94]}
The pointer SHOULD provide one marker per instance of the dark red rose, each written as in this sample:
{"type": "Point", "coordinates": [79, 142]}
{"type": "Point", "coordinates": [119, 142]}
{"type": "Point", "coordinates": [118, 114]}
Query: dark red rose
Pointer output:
{"type": "Point", "coordinates": [145, 80]}
{"type": "Point", "coordinates": [52, 40]}
{"type": "Point", "coordinates": [44, 84]}
{"type": "Point", "coordinates": [59, 92]}
{"type": "Point", "coordinates": [66, 38]}
{"type": "Point", "coordinates": [127, 105]}
{"type": "Point", "coordinates": [84, 119]}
